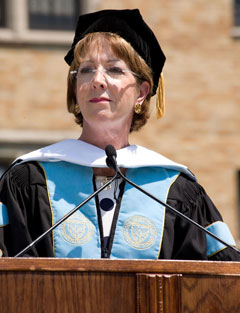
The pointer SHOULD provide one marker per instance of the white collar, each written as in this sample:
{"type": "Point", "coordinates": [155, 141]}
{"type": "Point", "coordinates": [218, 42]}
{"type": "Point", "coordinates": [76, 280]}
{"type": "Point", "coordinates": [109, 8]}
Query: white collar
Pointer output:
{"type": "Point", "coordinates": [79, 152]}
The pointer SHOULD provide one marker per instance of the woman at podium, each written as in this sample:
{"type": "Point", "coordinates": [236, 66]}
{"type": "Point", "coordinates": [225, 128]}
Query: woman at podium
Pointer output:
{"type": "Point", "coordinates": [115, 67]}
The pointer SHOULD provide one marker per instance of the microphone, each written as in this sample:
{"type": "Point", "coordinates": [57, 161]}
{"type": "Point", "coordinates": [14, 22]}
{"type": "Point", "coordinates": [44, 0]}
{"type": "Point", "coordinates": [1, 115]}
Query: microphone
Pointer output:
{"type": "Point", "coordinates": [27, 248]}
{"type": "Point", "coordinates": [112, 163]}
{"type": "Point", "coordinates": [111, 157]}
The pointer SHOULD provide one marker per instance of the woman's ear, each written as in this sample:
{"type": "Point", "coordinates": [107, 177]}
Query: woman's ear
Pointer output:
{"type": "Point", "coordinates": [143, 92]}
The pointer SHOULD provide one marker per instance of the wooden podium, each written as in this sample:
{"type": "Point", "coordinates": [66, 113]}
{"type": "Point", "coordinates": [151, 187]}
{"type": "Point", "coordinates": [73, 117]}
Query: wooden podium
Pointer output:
{"type": "Point", "coordinates": [43, 285]}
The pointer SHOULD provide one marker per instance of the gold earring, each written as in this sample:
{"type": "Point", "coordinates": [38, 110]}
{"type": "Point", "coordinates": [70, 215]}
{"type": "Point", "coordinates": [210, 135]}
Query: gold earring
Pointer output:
{"type": "Point", "coordinates": [77, 109]}
{"type": "Point", "coordinates": [138, 108]}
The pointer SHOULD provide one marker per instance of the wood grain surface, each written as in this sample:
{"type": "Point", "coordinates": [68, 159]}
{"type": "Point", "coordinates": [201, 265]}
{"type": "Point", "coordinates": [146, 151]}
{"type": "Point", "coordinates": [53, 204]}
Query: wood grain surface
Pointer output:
{"type": "Point", "coordinates": [39, 285]}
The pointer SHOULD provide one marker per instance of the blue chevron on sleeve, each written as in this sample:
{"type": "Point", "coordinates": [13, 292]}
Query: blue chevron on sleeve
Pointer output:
{"type": "Point", "coordinates": [3, 215]}
{"type": "Point", "coordinates": [221, 230]}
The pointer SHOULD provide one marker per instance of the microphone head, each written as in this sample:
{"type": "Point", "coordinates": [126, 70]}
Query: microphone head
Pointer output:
{"type": "Point", "coordinates": [110, 151]}
{"type": "Point", "coordinates": [111, 157]}
{"type": "Point", "coordinates": [110, 163]}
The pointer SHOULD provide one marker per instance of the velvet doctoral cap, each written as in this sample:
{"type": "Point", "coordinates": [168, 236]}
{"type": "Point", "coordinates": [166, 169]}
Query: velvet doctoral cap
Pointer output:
{"type": "Point", "coordinates": [128, 24]}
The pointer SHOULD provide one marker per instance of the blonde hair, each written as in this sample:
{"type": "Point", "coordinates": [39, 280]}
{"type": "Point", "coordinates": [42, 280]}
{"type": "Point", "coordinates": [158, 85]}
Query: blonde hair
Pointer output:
{"type": "Point", "coordinates": [123, 50]}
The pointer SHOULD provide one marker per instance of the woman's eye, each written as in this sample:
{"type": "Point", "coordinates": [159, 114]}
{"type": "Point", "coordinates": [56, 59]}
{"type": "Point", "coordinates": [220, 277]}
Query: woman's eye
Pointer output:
{"type": "Point", "coordinates": [85, 70]}
{"type": "Point", "coordinates": [115, 70]}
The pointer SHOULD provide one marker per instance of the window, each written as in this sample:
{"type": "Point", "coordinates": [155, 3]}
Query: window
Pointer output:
{"type": "Point", "coordinates": [2, 14]}
{"type": "Point", "coordinates": [237, 13]}
{"type": "Point", "coordinates": [48, 22]}
{"type": "Point", "coordinates": [236, 18]}
{"type": "Point", "coordinates": [53, 14]}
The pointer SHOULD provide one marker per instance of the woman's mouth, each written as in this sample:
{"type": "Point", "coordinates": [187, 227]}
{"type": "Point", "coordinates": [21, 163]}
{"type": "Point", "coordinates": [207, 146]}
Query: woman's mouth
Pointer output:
{"type": "Point", "coordinates": [100, 99]}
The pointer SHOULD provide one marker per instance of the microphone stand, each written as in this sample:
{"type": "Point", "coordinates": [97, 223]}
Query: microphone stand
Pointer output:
{"type": "Point", "coordinates": [112, 163]}
{"type": "Point", "coordinates": [21, 253]}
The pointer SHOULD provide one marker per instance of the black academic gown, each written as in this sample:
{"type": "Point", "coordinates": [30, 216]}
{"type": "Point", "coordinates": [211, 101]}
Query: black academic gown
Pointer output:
{"type": "Point", "coordinates": [23, 190]}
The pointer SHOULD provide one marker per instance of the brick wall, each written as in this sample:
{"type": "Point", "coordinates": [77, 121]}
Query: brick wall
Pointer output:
{"type": "Point", "coordinates": [201, 127]}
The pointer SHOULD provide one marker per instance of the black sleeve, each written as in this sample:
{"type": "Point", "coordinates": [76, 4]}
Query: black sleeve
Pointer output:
{"type": "Point", "coordinates": [23, 192]}
{"type": "Point", "coordinates": [182, 240]}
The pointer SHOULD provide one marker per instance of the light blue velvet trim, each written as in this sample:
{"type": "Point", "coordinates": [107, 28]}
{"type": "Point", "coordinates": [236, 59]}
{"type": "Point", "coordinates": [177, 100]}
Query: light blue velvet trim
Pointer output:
{"type": "Point", "coordinates": [3, 215]}
{"type": "Point", "coordinates": [68, 185]}
{"type": "Point", "coordinates": [140, 224]}
{"type": "Point", "coordinates": [221, 230]}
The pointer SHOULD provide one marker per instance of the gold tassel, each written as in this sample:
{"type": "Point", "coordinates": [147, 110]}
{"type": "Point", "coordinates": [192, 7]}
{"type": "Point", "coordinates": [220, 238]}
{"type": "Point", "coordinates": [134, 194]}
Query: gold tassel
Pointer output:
{"type": "Point", "coordinates": [160, 100]}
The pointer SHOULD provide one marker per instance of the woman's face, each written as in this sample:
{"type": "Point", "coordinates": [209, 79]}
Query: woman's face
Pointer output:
{"type": "Point", "coordinates": [106, 89]}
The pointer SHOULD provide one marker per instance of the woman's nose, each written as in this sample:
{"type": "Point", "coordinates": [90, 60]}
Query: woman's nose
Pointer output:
{"type": "Point", "coordinates": [99, 79]}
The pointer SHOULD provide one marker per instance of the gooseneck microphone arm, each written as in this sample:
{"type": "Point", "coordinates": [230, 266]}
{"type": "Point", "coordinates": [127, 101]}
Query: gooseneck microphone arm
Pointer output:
{"type": "Point", "coordinates": [112, 163]}
{"type": "Point", "coordinates": [22, 252]}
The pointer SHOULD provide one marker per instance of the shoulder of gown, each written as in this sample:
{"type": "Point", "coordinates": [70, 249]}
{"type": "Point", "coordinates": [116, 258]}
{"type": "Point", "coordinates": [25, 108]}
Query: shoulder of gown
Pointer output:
{"type": "Point", "coordinates": [190, 198]}
{"type": "Point", "coordinates": [23, 192]}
